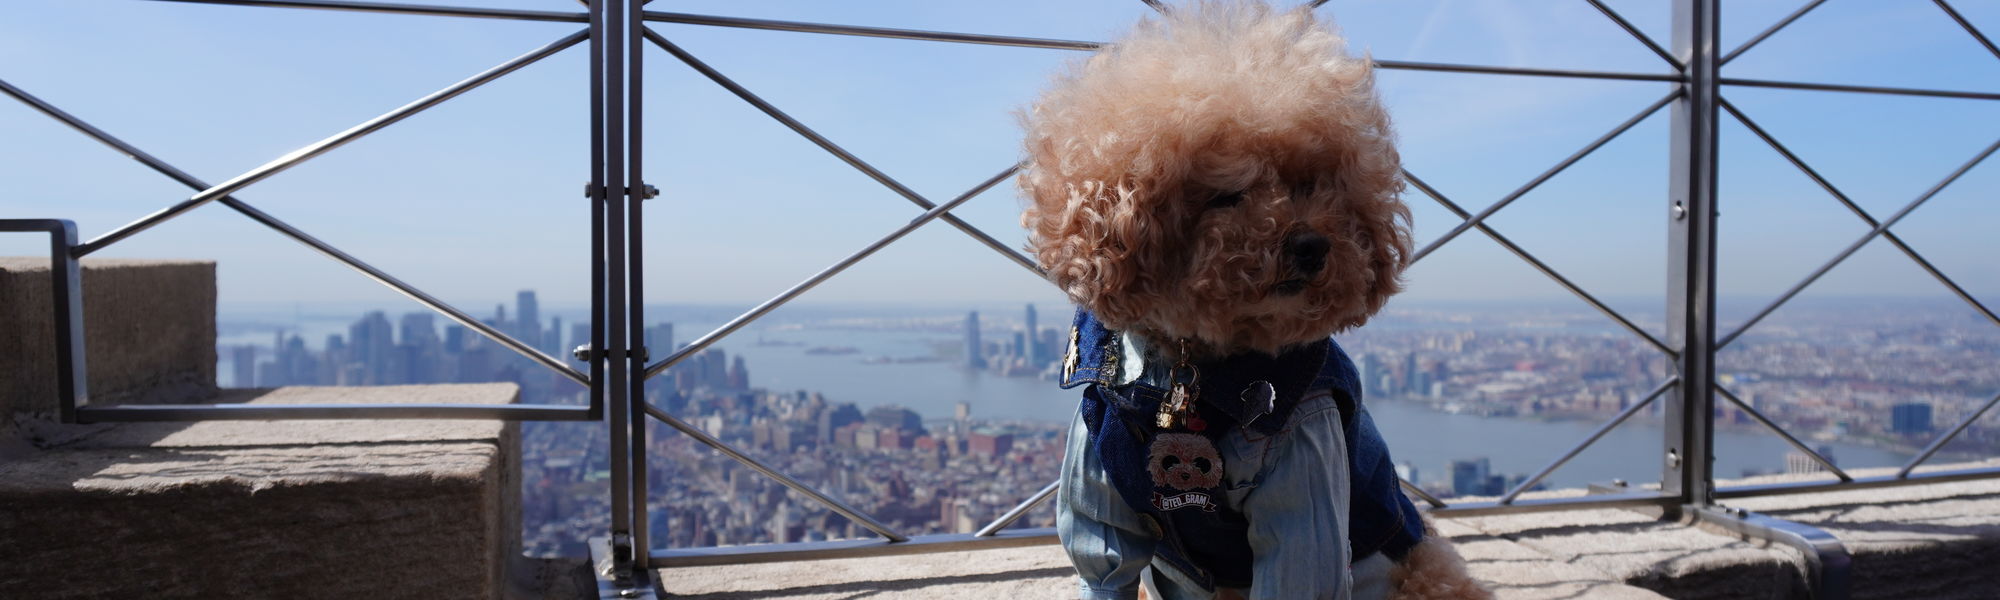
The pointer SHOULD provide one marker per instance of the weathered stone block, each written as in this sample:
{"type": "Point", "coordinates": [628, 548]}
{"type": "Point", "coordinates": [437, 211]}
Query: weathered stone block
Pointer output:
{"type": "Point", "coordinates": [271, 509]}
{"type": "Point", "coordinates": [149, 333]}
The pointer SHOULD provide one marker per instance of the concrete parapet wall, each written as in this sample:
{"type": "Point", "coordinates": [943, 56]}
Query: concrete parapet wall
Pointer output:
{"type": "Point", "coordinates": [271, 509]}
{"type": "Point", "coordinates": [149, 333]}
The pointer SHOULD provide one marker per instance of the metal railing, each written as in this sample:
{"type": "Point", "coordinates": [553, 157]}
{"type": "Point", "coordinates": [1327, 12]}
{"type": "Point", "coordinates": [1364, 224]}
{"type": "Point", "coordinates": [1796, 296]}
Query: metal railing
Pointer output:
{"type": "Point", "coordinates": [617, 31]}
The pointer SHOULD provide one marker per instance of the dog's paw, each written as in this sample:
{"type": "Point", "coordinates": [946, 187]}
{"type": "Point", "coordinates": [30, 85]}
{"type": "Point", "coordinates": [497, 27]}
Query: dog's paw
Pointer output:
{"type": "Point", "coordinates": [1435, 571]}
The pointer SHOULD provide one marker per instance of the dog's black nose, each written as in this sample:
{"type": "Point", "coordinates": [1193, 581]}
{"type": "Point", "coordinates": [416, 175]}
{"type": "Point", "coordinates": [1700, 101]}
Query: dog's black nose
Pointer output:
{"type": "Point", "coordinates": [1307, 251]}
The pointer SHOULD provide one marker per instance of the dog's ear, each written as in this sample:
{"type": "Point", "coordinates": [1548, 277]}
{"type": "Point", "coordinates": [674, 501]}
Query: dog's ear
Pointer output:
{"type": "Point", "coordinates": [1085, 236]}
{"type": "Point", "coordinates": [1381, 226]}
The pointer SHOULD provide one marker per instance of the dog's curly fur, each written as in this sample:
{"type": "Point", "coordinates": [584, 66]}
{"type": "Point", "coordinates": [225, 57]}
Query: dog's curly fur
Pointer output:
{"type": "Point", "coordinates": [1175, 178]}
{"type": "Point", "coordinates": [1167, 172]}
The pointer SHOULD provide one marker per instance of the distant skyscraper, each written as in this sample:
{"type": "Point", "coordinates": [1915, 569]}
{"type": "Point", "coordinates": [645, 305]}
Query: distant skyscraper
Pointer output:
{"type": "Point", "coordinates": [660, 340]}
{"type": "Point", "coordinates": [528, 318]}
{"type": "Point", "coordinates": [1910, 418]}
{"type": "Point", "coordinates": [1369, 370]}
{"type": "Point", "coordinates": [245, 357]}
{"type": "Point", "coordinates": [974, 355]}
{"type": "Point", "coordinates": [1410, 375]}
{"type": "Point", "coordinates": [1033, 350]}
{"type": "Point", "coordinates": [1798, 462]}
{"type": "Point", "coordinates": [421, 353]}
{"type": "Point", "coordinates": [552, 337]}
{"type": "Point", "coordinates": [419, 330]}
{"type": "Point", "coordinates": [1470, 477]}
{"type": "Point", "coordinates": [739, 375]}
{"type": "Point", "coordinates": [715, 369]}
{"type": "Point", "coordinates": [456, 337]}
{"type": "Point", "coordinates": [372, 342]}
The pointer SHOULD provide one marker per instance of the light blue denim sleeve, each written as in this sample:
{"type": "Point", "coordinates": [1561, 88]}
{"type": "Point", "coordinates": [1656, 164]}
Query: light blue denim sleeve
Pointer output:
{"type": "Point", "coordinates": [1108, 542]}
{"type": "Point", "coordinates": [1298, 511]}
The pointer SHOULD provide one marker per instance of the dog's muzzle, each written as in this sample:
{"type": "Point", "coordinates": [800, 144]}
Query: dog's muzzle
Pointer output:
{"type": "Point", "coordinates": [1306, 252]}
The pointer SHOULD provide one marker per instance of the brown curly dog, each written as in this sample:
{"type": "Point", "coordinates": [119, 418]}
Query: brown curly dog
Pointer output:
{"type": "Point", "coordinates": [1226, 175]}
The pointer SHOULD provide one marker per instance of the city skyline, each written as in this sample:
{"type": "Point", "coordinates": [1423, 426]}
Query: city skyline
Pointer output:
{"type": "Point", "coordinates": [928, 466]}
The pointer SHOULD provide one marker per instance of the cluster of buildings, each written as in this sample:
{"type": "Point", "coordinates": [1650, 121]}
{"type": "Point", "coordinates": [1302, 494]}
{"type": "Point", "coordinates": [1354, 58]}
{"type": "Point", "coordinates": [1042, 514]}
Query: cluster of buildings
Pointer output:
{"type": "Point", "coordinates": [414, 349]}
{"type": "Point", "coordinates": [1895, 386]}
{"type": "Point", "coordinates": [1029, 351]}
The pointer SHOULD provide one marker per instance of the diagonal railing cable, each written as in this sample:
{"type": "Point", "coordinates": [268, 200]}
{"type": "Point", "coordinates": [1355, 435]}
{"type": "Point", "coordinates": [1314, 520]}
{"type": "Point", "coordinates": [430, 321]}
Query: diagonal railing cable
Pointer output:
{"type": "Point", "coordinates": [1863, 89]}
{"type": "Point", "coordinates": [1857, 210]}
{"type": "Point", "coordinates": [1634, 409]}
{"type": "Point", "coordinates": [1967, 25]}
{"type": "Point", "coordinates": [1019, 510]}
{"type": "Point", "coordinates": [1545, 175]}
{"type": "Point", "coordinates": [1796, 444]}
{"type": "Point", "coordinates": [321, 147]}
{"type": "Point", "coordinates": [1085, 45]}
{"type": "Point", "coordinates": [1537, 263]}
{"type": "Point", "coordinates": [874, 32]}
{"type": "Point", "coordinates": [302, 237]}
{"type": "Point", "coordinates": [1419, 492]}
{"type": "Point", "coordinates": [753, 314]}
{"type": "Point", "coordinates": [1851, 248]}
{"type": "Point", "coordinates": [1759, 38]}
{"type": "Point", "coordinates": [836, 505]}
{"type": "Point", "coordinates": [1638, 35]}
{"type": "Point", "coordinates": [839, 152]}
{"type": "Point", "coordinates": [1938, 444]}
{"type": "Point", "coordinates": [1408, 65]}
{"type": "Point", "coordinates": [407, 9]}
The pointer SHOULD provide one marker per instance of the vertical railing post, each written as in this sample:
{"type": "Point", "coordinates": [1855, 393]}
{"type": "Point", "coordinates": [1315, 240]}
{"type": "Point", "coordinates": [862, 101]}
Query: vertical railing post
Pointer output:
{"type": "Point", "coordinates": [635, 357]}
{"type": "Point", "coordinates": [1688, 451]}
{"type": "Point", "coordinates": [611, 353]}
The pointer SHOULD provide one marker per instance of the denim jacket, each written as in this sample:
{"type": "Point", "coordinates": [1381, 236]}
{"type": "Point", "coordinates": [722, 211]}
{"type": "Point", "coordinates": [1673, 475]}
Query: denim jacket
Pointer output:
{"type": "Point", "coordinates": [1212, 548]}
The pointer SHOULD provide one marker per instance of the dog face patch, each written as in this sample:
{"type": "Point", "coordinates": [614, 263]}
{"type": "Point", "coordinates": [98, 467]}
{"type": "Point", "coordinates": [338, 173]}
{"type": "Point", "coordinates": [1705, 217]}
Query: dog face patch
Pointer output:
{"type": "Point", "coordinates": [1186, 469]}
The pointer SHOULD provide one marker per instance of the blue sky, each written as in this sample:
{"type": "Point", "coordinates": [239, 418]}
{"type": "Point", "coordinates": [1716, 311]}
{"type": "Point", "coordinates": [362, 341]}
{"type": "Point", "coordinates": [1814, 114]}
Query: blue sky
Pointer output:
{"type": "Point", "coordinates": [480, 197]}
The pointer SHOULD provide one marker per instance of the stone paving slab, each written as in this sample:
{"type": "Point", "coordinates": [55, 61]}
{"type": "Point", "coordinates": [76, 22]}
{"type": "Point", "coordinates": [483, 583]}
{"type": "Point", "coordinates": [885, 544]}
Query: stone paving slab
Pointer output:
{"type": "Point", "coordinates": [1936, 540]}
{"type": "Point", "coordinates": [1516, 572]}
{"type": "Point", "coordinates": [1029, 572]}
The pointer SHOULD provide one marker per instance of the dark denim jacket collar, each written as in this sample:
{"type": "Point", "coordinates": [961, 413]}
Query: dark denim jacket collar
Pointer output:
{"type": "Point", "coordinates": [1096, 356]}
{"type": "Point", "coordinates": [1094, 353]}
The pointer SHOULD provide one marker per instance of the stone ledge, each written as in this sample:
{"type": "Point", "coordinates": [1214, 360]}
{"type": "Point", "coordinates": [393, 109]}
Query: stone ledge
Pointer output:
{"type": "Point", "coordinates": [149, 333]}
{"type": "Point", "coordinates": [296, 509]}
{"type": "Point", "coordinates": [1937, 540]}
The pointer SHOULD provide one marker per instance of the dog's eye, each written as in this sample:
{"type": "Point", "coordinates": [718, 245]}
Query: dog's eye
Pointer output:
{"type": "Point", "coordinates": [1201, 464]}
{"type": "Point", "coordinates": [1169, 462]}
{"type": "Point", "coordinates": [1225, 200]}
